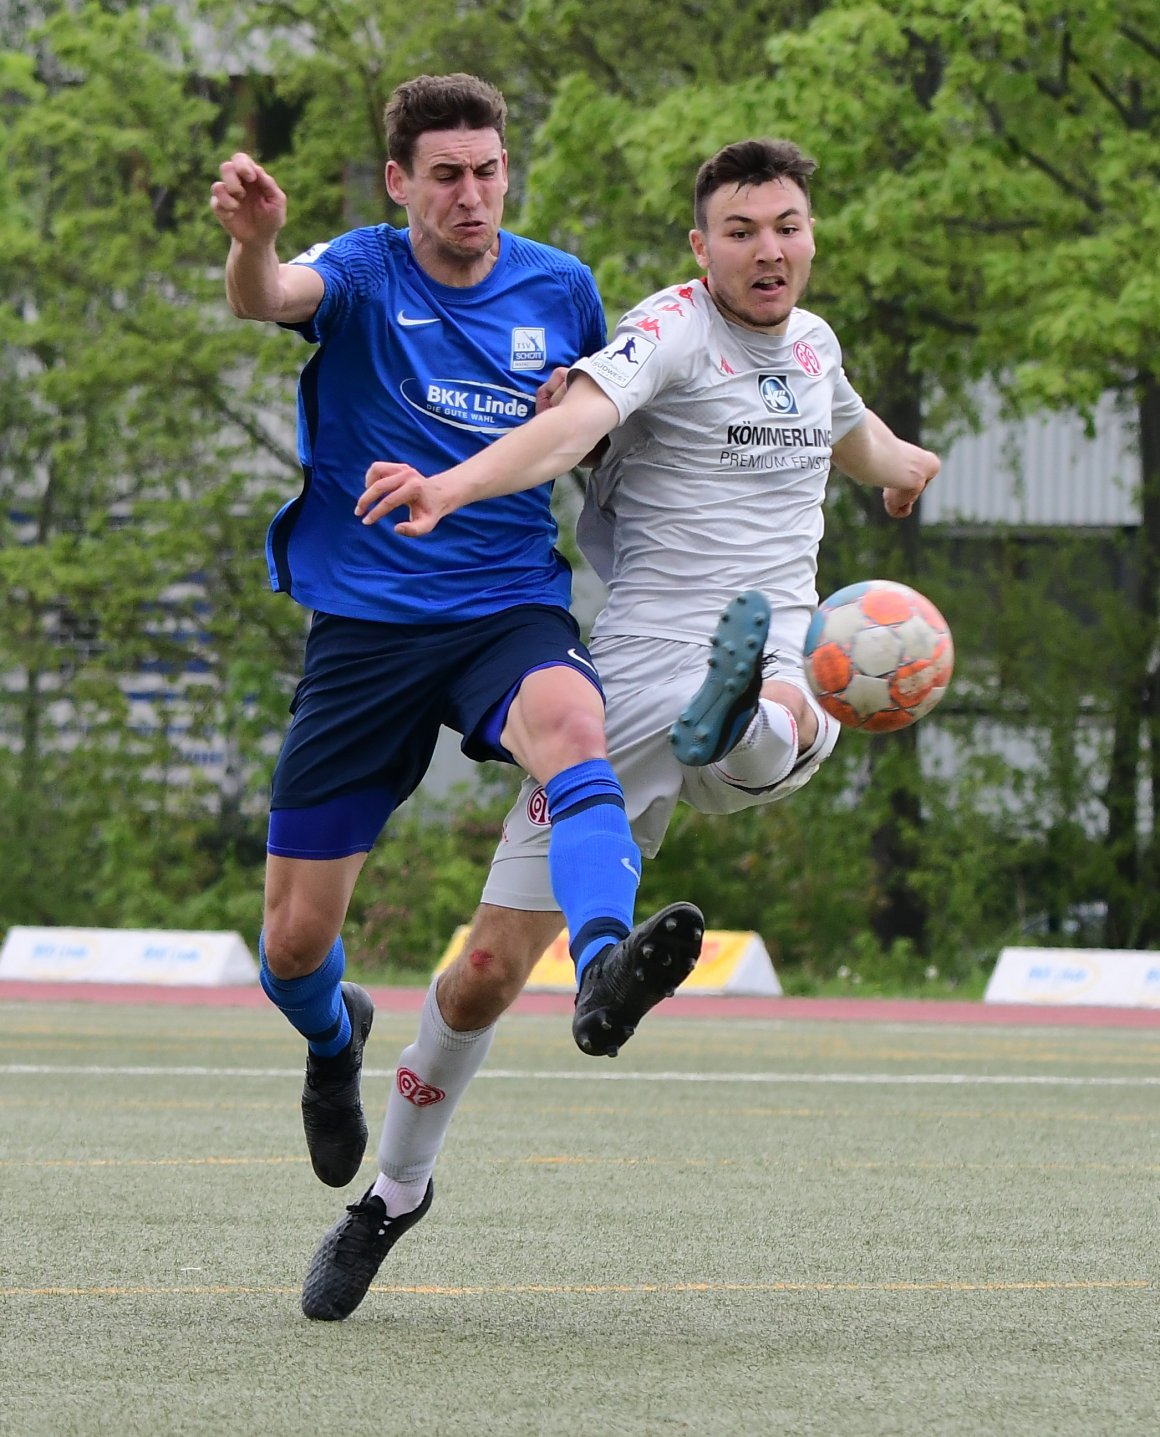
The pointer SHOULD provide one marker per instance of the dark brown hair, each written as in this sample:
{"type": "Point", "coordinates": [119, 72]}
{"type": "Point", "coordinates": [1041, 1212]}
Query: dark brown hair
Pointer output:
{"type": "Point", "coordinates": [440, 102]}
{"type": "Point", "coordinates": [750, 162]}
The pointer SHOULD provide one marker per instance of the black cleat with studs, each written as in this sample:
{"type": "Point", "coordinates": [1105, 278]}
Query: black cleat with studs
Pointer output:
{"type": "Point", "coordinates": [332, 1113]}
{"type": "Point", "coordinates": [349, 1256]}
{"type": "Point", "coordinates": [622, 983]}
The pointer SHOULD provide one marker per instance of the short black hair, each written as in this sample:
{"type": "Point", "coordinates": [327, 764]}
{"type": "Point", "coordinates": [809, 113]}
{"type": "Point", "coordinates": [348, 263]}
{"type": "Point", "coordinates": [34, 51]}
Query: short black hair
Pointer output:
{"type": "Point", "coordinates": [440, 102]}
{"type": "Point", "coordinates": [750, 162]}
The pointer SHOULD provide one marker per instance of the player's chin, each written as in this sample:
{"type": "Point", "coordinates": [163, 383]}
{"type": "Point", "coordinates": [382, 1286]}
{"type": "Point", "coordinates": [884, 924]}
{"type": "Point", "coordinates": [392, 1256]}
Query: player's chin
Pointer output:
{"type": "Point", "coordinates": [767, 316]}
{"type": "Point", "coordinates": [473, 244]}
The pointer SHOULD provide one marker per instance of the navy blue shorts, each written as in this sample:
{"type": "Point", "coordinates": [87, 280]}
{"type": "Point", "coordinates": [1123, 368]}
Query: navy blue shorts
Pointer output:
{"type": "Point", "coordinates": [370, 705]}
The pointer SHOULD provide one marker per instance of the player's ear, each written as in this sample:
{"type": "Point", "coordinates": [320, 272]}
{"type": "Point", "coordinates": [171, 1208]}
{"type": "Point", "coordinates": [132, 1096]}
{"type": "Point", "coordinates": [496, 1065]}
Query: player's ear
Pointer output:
{"type": "Point", "coordinates": [397, 182]}
{"type": "Point", "coordinates": [700, 249]}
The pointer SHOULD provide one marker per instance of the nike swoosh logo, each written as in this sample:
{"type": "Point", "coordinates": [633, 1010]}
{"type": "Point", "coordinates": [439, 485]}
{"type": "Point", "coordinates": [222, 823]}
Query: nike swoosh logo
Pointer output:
{"type": "Point", "coordinates": [580, 659]}
{"type": "Point", "coordinates": [631, 869]}
{"type": "Point", "coordinates": [408, 323]}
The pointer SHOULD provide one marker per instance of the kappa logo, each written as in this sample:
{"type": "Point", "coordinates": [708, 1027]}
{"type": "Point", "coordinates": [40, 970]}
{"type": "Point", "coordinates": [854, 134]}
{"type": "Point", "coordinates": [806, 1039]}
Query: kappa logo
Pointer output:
{"type": "Point", "coordinates": [777, 396]}
{"type": "Point", "coordinates": [416, 1091]}
{"type": "Point", "coordinates": [529, 347]}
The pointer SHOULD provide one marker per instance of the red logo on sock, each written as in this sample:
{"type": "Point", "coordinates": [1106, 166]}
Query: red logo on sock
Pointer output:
{"type": "Point", "coordinates": [416, 1091]}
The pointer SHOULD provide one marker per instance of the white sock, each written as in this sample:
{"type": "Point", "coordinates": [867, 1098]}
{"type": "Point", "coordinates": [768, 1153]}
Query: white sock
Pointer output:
{"type": "Point", "coordinates": [765, 753]}
{"type": "Point", "coordinates": [432, 1076]}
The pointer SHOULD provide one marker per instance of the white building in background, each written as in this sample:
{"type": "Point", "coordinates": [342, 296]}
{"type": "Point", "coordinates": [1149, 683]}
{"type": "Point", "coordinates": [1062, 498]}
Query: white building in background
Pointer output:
{"type": "Point", "coordinates": [1038, 472]}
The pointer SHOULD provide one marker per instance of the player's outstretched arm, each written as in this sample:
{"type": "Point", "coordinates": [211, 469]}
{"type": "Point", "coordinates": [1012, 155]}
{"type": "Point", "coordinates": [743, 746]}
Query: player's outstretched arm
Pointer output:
{"type": "Point", "coordinates": [251, 208]}
{"type": "Point", "coordinates": [871, 453]}
{"type": "Point", "coordinates": [549, 444]}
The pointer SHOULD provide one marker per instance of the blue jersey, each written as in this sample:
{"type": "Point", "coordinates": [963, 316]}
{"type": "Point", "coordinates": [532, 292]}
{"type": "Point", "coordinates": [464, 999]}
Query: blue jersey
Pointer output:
{"type": "Point", "coordinates": [422, 373]}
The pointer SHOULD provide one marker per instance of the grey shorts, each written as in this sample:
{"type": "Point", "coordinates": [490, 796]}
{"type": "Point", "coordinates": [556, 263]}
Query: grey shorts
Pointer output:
{"type": "Point", "coordinates": [647, 683]}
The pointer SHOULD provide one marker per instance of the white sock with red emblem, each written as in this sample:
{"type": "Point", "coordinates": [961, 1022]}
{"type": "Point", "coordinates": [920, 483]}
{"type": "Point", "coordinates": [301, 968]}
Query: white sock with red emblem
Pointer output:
{"type": "Point", "coordinates": [433, 1074]}
{"type": "Point", "coordinates": [765, 753]}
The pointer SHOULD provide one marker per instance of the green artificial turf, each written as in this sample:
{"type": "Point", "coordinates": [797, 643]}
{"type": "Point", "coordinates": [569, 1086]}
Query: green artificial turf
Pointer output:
{"type": "Point", "coordinates": [736, 1227]}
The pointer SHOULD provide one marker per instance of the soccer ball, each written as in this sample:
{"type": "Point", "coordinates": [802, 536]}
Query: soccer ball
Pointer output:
{"type": "Point", "coordinates": [878, 655]}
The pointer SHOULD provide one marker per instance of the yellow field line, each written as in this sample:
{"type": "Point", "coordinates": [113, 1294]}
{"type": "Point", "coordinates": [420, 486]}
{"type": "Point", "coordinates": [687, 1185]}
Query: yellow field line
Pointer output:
{"type": "Point", "coordinates": [144, 1162]}
{"type": "Point", "coordinates": [597, 1160]}
{"type": "Point", "coordinates": [798, 1164]}
{"type": "Point", "coordinates": [674, 1289]}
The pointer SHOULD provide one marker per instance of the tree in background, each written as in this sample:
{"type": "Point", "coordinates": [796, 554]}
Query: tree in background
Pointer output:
{"type": "Point", "coordinates": [1067, 97]}
{"type": "Point", "coordinates": [132, 445]}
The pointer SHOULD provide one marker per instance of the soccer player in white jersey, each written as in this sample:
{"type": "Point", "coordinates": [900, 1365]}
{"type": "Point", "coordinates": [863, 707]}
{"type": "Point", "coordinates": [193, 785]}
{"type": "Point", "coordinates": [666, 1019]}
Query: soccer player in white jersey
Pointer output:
{"type": "Point", "coordinates": [725, 404]}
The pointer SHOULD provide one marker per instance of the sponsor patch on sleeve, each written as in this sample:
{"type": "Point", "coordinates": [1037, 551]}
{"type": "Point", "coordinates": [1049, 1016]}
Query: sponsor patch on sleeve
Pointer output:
{"type": "Point", "coordinates": [620, 361]}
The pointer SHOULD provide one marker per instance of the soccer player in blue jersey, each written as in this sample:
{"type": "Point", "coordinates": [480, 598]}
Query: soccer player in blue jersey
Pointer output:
{"type": "Point", "coordinates": [431, 341]}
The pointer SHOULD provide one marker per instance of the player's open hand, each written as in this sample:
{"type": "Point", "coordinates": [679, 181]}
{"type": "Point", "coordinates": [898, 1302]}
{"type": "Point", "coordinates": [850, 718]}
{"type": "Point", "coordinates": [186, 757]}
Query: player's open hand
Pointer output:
{"type": "Point", "coordinates": [247, 202]}
{"type": "Point", "coordinates": [922, 466]}
{"type": "Point", "coordinates": [395, 486]}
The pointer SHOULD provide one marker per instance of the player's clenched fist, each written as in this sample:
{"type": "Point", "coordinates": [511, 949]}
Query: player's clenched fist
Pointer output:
{"type": "Point", "coordinates": [922, 467]}
{"type": "Point", "coordinates": [247, 201]}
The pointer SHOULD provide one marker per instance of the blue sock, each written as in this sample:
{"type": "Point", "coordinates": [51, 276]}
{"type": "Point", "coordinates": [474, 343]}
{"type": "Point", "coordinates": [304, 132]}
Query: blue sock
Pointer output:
{"type": "Point", "coordinates": [313, 1004]}
{"type": "Point", "coordinates": [592, 859]}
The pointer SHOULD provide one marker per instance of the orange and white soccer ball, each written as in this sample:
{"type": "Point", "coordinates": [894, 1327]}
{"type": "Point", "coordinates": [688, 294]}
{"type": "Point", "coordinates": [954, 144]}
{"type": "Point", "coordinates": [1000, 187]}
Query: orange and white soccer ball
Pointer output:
{"type": "Point", "coordinates": [878, 655]}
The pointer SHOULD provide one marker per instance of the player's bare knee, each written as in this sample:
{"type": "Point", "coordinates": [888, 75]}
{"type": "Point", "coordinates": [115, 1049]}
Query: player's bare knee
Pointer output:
{"type": "Point", "coordinates": [557, 721]}
{"type": "Point", "coordinates": [295, 940]}
{"type": "Point", "coordinates": [578, 736]}
{"type": "Point", "coordinates": [502, 948]}
{"type": "Point", "coordinates": [477, 988]}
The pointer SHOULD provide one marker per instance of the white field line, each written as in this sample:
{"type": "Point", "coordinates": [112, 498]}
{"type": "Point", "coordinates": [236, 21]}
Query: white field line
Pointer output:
{"type": "Point", "coordinates": [950, 1080]}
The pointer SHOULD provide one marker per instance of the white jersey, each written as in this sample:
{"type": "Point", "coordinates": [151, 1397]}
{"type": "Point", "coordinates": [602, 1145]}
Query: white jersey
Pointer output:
{"type": "Point", "coordinates": [715, 477]}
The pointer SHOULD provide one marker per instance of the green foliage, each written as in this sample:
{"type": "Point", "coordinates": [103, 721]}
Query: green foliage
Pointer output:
{"type": "Point", "coordinates": [138, 629]}
{"type": "Point", "coordinates": [987, 204]}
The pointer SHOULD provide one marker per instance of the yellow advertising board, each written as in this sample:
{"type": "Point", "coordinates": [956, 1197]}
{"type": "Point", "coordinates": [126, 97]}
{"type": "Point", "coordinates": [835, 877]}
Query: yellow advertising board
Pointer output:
{"type": "Point", "coordinates": [730, 962]}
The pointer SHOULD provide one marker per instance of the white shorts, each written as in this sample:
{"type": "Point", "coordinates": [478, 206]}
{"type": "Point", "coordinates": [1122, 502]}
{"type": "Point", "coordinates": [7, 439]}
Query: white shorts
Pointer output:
{"type": "Point", "coordinates": [647, 682]}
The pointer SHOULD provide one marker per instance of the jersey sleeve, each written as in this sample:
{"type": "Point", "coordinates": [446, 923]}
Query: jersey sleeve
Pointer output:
{"type": "Point", "coordinates": [650, 351]}
{"type": "Point", "coordinates": [590, 311]}
{"type": "Point", "coordinates": [847, 408]}
{"type": "Point", "coordinates": [349, 266]}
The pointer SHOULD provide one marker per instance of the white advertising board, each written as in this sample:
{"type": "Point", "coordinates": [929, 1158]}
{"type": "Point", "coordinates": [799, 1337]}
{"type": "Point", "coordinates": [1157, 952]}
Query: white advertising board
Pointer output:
{"type": "Point", "coordinates": [126, 955]}
{"type": "Point", "coordinates": [1103, 977]}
